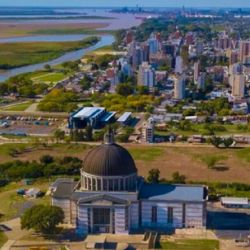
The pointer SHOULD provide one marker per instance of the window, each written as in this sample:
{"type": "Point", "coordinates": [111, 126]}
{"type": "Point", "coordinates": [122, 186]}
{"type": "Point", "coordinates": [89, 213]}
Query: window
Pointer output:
{"type": "Point", "coordinates": [126, 218]}
{"type": "Point", "coordinates": [154, 214]}
{"type": "Point", "coordinates": [170, 215]}
{"type": "Point", "coordinates": [184, 214]}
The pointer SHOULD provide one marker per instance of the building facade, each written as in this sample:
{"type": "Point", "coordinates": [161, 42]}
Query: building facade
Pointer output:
{"type": "Point", "coordinates": [111, 198]}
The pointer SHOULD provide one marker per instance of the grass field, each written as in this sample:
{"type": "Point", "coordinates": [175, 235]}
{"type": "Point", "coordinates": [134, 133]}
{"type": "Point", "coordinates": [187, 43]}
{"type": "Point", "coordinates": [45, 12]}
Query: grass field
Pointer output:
{"type": "Point", "coordinates": [14, 205]}
{"type": "Point", "coordinates": [26, 29]}
{"type": "Point", "coordinates": [19, 54]}
{"type": "Point", "coordinates": [3, 239]}
{"type": "Point", "coordinates": [199, 129]}
{"type": "Point", "coordinates": [187, 159]}
{"type": "Point", "coordinates": [49, 77]}
{"type": "Point", "coordinates": [191, 245]}
{"type": "Point", "coordinates": [18, 107]}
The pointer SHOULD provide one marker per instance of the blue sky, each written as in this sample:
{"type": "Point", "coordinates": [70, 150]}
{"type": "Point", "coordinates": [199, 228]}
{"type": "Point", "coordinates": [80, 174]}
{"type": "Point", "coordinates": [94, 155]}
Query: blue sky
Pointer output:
{"type": "Point", "coordinates": [145, 3]}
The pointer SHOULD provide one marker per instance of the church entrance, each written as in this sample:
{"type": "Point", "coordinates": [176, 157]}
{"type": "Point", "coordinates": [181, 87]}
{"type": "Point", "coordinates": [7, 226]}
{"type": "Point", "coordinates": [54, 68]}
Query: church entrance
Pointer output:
{"type": "Point", "coordinates": [102, 220]}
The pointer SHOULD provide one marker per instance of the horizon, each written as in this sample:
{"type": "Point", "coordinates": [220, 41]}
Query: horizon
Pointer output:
{"type": "Point", "coordinates": [127, 3]}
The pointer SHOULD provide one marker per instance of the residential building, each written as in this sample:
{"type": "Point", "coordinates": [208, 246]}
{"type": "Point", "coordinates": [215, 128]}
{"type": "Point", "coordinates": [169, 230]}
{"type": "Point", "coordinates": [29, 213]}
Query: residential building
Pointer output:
{"type": "Point", "coordinates": [179, 87]}
{"type": "Point", "coordinates": [146, 75]}
{"type": "Point", "coordinates": [238, 85]}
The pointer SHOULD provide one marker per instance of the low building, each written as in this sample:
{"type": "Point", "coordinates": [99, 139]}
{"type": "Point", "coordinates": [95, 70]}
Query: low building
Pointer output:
{"type": "Point", "coordinates": [96, 117]}
{"type": "Point", "coordinates": [233, 202]}
{"type": "Point", "coordinates": [33, 193]}
{"type": "Point", "coordinates": [125, 118]}
{"type": "Point", "coordinates": [112, 198]}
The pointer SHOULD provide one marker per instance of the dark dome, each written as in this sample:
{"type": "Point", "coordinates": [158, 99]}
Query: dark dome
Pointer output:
{"type": "Point", "coordinates": [109, 160]}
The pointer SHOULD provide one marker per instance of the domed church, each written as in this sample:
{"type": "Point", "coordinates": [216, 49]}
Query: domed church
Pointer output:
{"type": "Point", "coordinates": [111, 198]}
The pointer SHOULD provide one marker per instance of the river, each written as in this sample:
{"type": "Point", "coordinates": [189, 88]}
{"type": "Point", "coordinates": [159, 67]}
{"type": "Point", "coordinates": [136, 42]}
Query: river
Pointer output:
{"type": "Point", "coordinates": [70, 56]}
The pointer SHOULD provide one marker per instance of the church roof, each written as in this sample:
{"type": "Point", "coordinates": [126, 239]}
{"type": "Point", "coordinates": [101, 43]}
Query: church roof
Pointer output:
{"type": "Point", "coordinates": [109, 159]}
{"type": "Point", "coordinates": [169, 192]}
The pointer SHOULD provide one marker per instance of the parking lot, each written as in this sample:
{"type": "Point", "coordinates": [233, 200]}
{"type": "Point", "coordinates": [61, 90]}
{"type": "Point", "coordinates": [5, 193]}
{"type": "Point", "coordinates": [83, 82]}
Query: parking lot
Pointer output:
{"type": "Point", "coordinates": [28, 125]}
{"type": "Point", "coordinates": [228, 223]}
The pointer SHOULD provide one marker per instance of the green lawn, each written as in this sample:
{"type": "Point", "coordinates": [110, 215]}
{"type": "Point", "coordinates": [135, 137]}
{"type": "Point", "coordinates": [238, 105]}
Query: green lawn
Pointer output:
{"type": "Point", "coordinates": [146, 153]}
{"type": "Point", "coordinates": [20, 54]}
{"type": "Point", "coordinates": [3, 239]}
{"type": "Point", "coordinates": [199, 129]}
{"type": "Point", "coordinates": [50, 77]}
{"type": "Point", "coordinates": [19, 107]}
{"type": "Point", "coordinates": [14, 204]}
{"type": "Point", "coordinates": [244, 154]}
{"type": "Point", "coordinates": [190, 245]}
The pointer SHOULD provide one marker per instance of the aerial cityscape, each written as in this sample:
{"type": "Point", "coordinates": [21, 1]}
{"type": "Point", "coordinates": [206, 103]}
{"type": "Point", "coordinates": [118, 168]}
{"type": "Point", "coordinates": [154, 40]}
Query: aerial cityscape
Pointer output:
{"type": "Point", "coordinates": [124, 125]}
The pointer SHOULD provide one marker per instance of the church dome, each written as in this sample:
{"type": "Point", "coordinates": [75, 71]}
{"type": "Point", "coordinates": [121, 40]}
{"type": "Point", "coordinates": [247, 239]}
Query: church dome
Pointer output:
{"type": "Point", "coordinates": [109, 159]}
{"type": "Point", "coordinates": [109, 167]}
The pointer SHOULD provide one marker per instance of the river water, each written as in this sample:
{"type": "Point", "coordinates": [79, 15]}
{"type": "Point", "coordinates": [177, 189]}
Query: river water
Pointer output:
{"type": "Point", "coordinates": [70, 56]}
{"type": "Point", "coordinates": [117, 21]}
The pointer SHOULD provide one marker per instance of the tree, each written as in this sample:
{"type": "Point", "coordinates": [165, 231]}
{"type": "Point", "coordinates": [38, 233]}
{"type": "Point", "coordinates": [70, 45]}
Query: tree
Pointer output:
{"type": "Point", "coordinates": [179, 179]}
{"type": "Point", "coordinates": [124, 89]}
{"type": "Point", "coordinates": [59, 134]}
{"type": "Point", "coordinates": [43, 219]}
{"type": "Point", "coordinates": [228, 142]}
{"type": "Point", "coordinates": [46, 159]}
{"type": "Point", "coordinates": [216, 141]}
{"type": "Point", "coordinates": [47, 67]}
{"type": "Point", "coordinates": [89, 133]}
{"type": "Point", "coordinates": [154, 175]}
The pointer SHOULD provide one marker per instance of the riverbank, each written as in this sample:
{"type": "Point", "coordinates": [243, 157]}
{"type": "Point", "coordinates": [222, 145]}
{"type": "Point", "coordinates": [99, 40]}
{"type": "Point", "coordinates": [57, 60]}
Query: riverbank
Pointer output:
{"type": "Point", "coordinates": [13, 55]}
{"type": "Point", "coordinates": [16, 29]}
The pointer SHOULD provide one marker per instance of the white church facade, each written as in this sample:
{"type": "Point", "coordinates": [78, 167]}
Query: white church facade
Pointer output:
{"type": "Point", "coordinates": [112, 198]}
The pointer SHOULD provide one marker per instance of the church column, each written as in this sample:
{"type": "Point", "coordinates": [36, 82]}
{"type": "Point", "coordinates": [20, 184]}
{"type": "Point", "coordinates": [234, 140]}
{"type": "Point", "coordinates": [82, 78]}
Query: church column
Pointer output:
{"type": "Point", "coordinates": [101, 184]}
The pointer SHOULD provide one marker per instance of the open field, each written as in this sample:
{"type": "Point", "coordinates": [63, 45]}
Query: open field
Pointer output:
{"type": "Point", "coordinates": [14, 205]}
{"type": "Point", "coordinates": [200, 129]}
{"type": "Point", "coordinates": [20, 54]}
{"type": "Point", "coordinates": [21, 29]}
{"type": "Point", "coordinates": [188, 160]}
{"type": "Point", "coordinates": [49, 77]}
{"type": "Point", "coordinates": [191, 245]}
{"type": "Point", "coordinates": [3, 239]}
{"type": "Point", "coordinates": [18, 106]}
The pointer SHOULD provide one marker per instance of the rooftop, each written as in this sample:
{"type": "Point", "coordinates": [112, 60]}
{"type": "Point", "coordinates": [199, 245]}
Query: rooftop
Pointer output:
{"type": "Point", "coordinates": [124, 117]}
{"type": "Point", "coordinates": [173, 192]}
{"type": "Point", "coordinates": [234, 200]}
{"type": "Point", "coordinates": [88, 112]}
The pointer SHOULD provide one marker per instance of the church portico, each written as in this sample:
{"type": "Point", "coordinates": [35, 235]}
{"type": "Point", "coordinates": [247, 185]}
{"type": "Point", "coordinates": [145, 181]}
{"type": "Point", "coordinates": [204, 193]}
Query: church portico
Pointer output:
{"type": "Point", "coordinates": [103, 214]}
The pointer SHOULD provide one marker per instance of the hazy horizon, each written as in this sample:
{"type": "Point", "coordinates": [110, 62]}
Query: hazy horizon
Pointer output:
{"type": "Point", "coordinates": [130, 3]}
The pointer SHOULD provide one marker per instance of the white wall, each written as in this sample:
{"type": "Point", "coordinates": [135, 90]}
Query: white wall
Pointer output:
{"type": "Point", "coordinates": [194, 214]}
{"type": "Point", "coordinates": [134, 216]}
{"type": "Point", "coordinates": [82, 221]}
{"type": "Point", "coordinates": [120, 222]}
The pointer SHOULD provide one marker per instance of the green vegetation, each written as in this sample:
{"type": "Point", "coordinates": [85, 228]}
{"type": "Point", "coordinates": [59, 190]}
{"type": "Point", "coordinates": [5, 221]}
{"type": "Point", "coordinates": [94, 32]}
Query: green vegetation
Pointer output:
{"type": "Point", "coordinates": [17, 170]}
{"type": "Point", "coordinates": [22, 86]}
{"type": "Point", "coordinates": [137, 103]}
{"type": "Point", "coordinates": [50, 77]}
{"type": "Point", "coordinates": [3, 239]}
{"type": "Point", "coordinates": [153, 175]}
{"type": "Point", "coordinates": [59, 100]}
{"type": "Point", "coordinates": [146, 153]}
{"type": "Point", "coordinates": [43, 219]}
{"type": "Point", "coordinates": [244, 154]}
{"type": "Point", "coordinates": [20, 54]}
{"type": "Point", "coordinates": [101, 61]}
{"type": "Point", "coordinates": [14, 204]}
{"type": "Point", "coordinates": [188, 128]}
{"type": "Point", "coordinates": [212, 160]}
{"type": "Point", "coordinates": [190, 245]}
{"type": "Point", "coordinates": [18, 107]}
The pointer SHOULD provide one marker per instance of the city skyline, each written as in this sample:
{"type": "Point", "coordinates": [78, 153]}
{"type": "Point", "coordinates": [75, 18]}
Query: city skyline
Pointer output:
{"type": "Point", "coordinates": [143, 3]}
